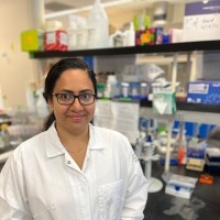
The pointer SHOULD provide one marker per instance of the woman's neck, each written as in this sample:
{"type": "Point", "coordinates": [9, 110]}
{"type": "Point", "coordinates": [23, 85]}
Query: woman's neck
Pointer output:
{"type": "Point", "coordinates": [71, 138]}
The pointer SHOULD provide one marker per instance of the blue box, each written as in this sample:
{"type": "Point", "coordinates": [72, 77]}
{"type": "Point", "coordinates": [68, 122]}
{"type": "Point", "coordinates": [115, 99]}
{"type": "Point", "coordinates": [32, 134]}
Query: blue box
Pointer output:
{"type": "Point", "coordinates": [196, 150]}
{"type": "Point", "coordinates": [205, 92]}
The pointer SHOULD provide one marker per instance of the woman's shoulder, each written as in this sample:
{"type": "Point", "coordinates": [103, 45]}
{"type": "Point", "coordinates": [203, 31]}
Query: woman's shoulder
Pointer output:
{"type": "Point", "coordinates": [30, 144]}
{"type": "Point", "coordinates": [38, 138]}
{"type": "Point", "coordinates": [112, 137]}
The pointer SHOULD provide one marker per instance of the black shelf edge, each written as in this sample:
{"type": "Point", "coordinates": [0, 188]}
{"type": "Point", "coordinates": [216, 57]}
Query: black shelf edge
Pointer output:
{"type": "Point", "coordinates": [162, 48]}
{"type": "Point", "coordinates": [184, 106]}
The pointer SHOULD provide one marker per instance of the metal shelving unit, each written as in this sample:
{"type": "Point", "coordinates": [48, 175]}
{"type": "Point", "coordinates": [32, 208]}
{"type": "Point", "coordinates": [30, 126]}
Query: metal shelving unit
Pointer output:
{"type": "Point", "coordinates": [185, 47]}
{"type": "Point", "coordinates": [148, 49]}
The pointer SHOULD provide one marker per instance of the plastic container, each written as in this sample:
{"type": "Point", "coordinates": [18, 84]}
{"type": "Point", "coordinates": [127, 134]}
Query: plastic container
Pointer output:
{"type": "Point", "coordinates": [110, 86]}
{"type": "Point", "coordinates": [98, 27]}
{"type": "Point", "coordinates": [144, 90]}
{"type": "Point", "coordinates": [82, 34]}
{"type": "Point", "coordinates": [135, 90]}
{"type": "Point", "coordinates": [117, 39]}
{"type": "Point", "coordinates": [72, 36]}
{"type": "Point", "coordinates": [116, 90]}
{"type": "Point", "coordinates": [129, 39]}
{"type": "Point", "coordinates": [5, 136]}
{"type": "Point", "coordinates": [100, 90]}
{"type": "Point", "coordinates": [42, 108]}
{"type": "Point", "coordinates": [125, 89]}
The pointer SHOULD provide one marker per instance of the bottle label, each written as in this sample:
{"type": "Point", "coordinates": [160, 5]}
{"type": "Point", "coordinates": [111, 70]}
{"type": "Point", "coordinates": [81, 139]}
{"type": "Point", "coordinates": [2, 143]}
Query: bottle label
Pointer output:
{"type": "Point", "coordinates": [51, 38]}
{"type": "Point", "coordinates": [81, 39]}
{"type": "Point", "coordinates": [63, 38]}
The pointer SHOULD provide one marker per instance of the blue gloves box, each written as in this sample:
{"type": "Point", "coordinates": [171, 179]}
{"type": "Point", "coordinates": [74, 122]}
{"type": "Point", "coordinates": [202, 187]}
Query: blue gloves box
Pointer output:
{"type": "Point", "coordinates": [205, 92]}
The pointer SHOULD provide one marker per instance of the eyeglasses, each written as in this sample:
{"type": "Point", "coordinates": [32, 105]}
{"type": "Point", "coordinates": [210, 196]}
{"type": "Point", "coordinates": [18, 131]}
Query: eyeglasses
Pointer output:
{"type": "Point", "coordinates": [68, 98]}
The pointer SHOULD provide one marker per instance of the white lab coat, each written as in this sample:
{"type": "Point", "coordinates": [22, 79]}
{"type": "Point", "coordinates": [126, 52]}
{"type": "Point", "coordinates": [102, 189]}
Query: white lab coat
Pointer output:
{"type": "Point", "coordinates": [41, 181]}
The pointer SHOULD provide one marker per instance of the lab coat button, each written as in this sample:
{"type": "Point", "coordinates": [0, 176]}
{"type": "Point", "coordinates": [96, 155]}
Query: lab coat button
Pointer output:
{"type": "Point", "coordinates": [68, 162]}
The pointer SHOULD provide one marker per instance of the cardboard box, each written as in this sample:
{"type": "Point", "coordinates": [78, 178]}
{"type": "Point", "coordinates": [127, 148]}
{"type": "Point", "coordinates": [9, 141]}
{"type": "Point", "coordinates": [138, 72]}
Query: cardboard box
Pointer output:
{"type": "Point", "coordinates": [201, 21]}
{"type": "Point", "coordinates": [205, 92]}
{"type": "Point", "coordinates": [213, 160]}
{"type": "Point", "coordinates": [32, 40]}
{"type": "Point", "coordinates": [164, 102]}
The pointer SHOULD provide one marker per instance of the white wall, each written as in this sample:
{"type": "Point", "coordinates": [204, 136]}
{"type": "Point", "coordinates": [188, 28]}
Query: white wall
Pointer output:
{"type": "Point", "coordinates": [16, 69]}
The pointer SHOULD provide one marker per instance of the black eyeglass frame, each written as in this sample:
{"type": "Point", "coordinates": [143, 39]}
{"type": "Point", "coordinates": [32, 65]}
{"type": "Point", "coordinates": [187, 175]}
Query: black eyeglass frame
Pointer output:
{"type": "Point", "coordinates": [74, 98]}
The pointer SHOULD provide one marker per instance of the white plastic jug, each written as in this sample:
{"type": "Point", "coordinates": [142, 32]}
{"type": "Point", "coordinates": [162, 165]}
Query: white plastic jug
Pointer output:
{"type": "Point", "coordinates": [98, 27]}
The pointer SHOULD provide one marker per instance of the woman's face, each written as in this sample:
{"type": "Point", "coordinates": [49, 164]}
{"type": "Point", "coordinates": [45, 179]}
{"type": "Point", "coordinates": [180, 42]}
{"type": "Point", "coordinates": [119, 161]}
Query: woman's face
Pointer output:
{"type": "Point", "coordinates": [73, 118]}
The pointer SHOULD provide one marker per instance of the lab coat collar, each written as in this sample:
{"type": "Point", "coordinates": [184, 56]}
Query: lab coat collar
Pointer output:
{"type": "Point", "coordinates": [54, 146]}
{"type": "Point", "coordinates": [96, 141]}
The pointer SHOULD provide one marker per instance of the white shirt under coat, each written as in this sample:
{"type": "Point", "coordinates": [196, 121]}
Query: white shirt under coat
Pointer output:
{"type": "Point", "coordinates": [41, 181]}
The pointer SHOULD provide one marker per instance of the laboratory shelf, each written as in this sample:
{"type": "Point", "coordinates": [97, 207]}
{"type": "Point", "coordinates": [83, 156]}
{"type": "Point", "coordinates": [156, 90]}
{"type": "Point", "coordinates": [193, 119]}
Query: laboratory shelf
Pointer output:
{"type": "Point", "coordinates": [149, 49]}
{"type": "Point", "coordinates": [186, 47]}
{"type": "Point", "coordinates": [184, 106]}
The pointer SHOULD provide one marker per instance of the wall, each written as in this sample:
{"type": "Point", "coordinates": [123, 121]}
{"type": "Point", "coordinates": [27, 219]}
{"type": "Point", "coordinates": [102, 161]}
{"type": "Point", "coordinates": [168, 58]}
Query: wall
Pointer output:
{"type": "Point", "coordinates": [17, 69]}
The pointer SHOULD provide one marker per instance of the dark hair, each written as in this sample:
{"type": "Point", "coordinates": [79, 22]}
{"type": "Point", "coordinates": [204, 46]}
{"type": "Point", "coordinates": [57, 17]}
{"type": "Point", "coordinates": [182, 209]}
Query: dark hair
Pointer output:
{"type": "Point", "coordinates": [54, 74]}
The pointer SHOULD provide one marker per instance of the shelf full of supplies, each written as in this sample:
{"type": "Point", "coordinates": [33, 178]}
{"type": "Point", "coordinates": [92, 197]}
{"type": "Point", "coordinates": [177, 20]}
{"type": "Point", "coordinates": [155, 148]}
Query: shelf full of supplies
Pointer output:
{"type": "Point", "coordinates": [147, 49]}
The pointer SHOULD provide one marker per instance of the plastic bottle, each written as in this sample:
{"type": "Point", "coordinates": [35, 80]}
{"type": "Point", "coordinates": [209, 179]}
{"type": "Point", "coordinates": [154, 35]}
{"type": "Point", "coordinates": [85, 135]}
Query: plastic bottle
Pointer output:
{"type": "Point", "coordinates": [1, 100]}
{"type": "Point", "coordinates": [72, 36]}
{"type": "Point", "coordinates": [181, 155]}
{"type": "Point", "coordinates": [135, 86]}
{"type": "Point", "coordinates": [117, 39]}
{"type": "Point", "coordinates": [100, 90]}
{"type": "Point", "coordinates": [110, 86]}
{"type": "Point", "coordinates": [82, 34]}
{"type": "Point", "coordinates": [42, 108]}
{"type": "Point", "coordinates": [144, 90]}
{"type": "Point", "coordinates": [5, 135]}
{"type": "Point", "coordinates": [30, 97]}
{"type": "Point", "coordinates": [138, 146]}
{"type": "Point", "coordinates": [98, 27]}
{"type": "Point", "coordinates": [129, 39]}
{"type": "Point", "coordinates": [181, 140]}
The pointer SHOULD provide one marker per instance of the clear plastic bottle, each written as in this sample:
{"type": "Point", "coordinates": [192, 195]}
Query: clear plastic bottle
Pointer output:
{"type": "Point", "coordinates": [98, 27]}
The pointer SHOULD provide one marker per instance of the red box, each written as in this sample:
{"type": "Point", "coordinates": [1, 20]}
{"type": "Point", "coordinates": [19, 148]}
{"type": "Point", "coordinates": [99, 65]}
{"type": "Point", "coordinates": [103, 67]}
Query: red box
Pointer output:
{"type": "Point", "coordinates": [55, 40]}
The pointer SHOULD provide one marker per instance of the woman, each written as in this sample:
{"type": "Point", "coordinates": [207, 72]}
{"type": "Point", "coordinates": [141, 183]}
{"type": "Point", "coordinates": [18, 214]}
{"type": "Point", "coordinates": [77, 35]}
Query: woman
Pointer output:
{"type": "Point", "coordinates": [72, 170]}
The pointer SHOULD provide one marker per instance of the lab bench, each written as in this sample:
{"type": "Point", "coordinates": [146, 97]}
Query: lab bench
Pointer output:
{"type": "Point", "coordinates": [203, 205]}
